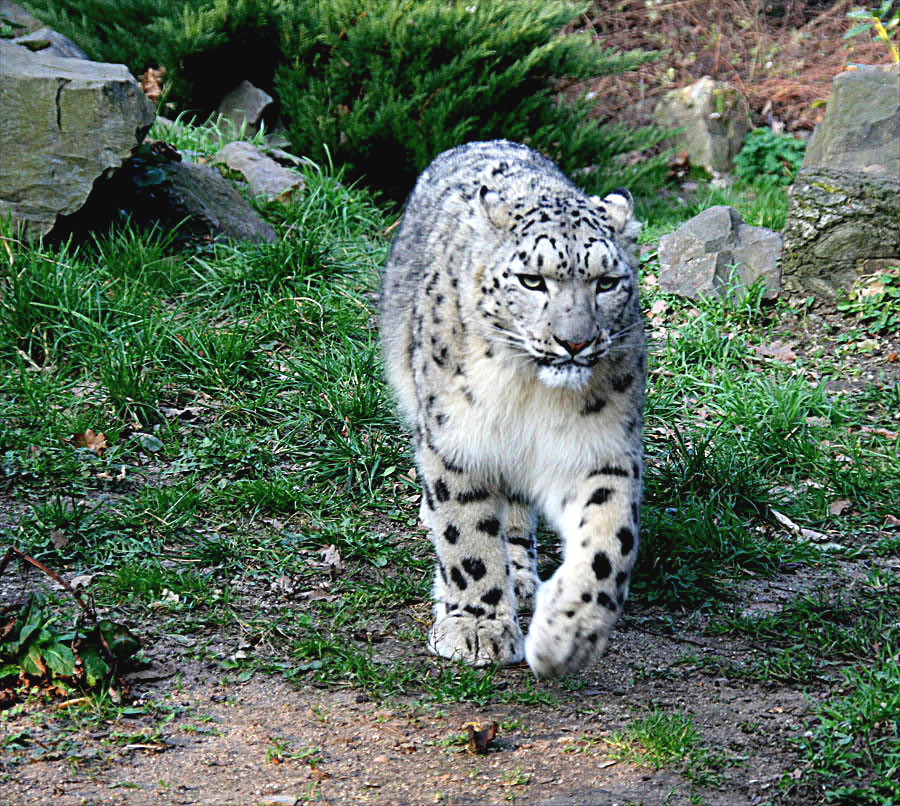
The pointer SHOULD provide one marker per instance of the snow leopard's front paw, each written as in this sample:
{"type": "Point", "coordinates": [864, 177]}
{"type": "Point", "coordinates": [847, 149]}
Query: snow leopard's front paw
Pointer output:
{"type": "Point", "coordinates": [569, 629]}
{"type": "Point", "coordinates": [477, 641]}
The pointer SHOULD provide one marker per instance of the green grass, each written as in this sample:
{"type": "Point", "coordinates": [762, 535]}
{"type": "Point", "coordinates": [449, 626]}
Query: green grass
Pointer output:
{"type": "Point", "coordinates": [851, 748]}
{"type": "Point", "coordinates": [664, 739]}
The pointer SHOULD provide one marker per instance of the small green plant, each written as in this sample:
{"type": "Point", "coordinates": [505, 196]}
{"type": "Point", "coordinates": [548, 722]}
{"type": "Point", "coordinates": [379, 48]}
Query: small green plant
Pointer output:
{"type": "Point", "coordinates": [36, 648]}
{"type": "Point", "coordinates": [664, 738]}
{"type": "Point", "coordinates": [768, 159]}
{"type": "Point", "coordinates": [279, 751]}
{"type": "Point", "coordinates": [881, 22]}
{"type": "Point", "coordinates": [875, 301]}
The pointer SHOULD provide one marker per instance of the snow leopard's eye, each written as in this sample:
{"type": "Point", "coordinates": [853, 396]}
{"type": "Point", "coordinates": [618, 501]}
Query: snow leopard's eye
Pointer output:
{"type": "Point", "coordinates": [533, 282]}
{"type": "Point", "coordinates": [606, 284]}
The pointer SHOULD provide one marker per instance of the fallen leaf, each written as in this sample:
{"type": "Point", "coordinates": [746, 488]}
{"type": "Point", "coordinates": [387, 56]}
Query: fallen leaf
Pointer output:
{"type": "Point", "coordinates": [882, 432]}
{"type": "Point", "coordinates": [777, 350]}
{"type": "Point", "coordinates": [331, 559]}
{"type": "Point", "coordinates": [837, 507]}
{"type": "Point", "coordinates": [659, 307]}
{"type": "Point", "coordinates": [151, 83]}
{"type": "Point", "coordinates": [481, 738]}
{"type": "Point", "coordinates": [94, 442]}
{"type": "Point", "coordinates": [81, 581]}
{"type": "Point", "coordinates": [316, 595]}
{"type": "Point", "coordinates": [891, 520]}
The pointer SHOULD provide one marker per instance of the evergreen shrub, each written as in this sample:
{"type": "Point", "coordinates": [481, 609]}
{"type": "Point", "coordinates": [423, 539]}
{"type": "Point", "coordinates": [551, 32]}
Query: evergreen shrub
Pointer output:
{"type": "Point", "coordinates": [383, 88]}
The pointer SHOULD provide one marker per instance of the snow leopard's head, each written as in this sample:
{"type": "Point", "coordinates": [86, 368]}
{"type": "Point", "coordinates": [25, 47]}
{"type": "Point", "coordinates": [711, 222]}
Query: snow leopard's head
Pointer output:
{"type": "Point", "coordinates": [560, 288]}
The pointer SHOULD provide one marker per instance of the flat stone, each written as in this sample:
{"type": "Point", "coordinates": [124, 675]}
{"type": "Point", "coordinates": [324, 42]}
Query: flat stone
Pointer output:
{"type": "Point", "coordinates": [48, 42]}
{"type": "Point", "coordinates": [264, 175]}
{"type": "Point", "coordinates": [212, 203]}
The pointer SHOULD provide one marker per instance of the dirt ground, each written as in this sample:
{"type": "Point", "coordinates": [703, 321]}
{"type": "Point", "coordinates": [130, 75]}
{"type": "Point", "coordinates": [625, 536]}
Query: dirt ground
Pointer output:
{"type": "Point", "coordinates": [217, 749]}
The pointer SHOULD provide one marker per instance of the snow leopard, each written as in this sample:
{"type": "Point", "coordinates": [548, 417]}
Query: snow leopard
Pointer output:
{"type": "Point", "coordinates": [513, 341]}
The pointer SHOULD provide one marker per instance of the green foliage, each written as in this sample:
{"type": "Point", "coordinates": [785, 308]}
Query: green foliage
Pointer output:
{"type": "Point", "coordinates": [33, 647]}
{"type": "Point", "coordinates": [665, 738]}
{"type": "Point", "coordinates": [875, 301]}
{"type": "Point", "coordinates": [384, 89]}
{"type": "Point", "coordinates": [880, 22]}
{"type": "Point", "coordinates": [768, 159]}
{"type": "Point", "coordinates": [119, 31]}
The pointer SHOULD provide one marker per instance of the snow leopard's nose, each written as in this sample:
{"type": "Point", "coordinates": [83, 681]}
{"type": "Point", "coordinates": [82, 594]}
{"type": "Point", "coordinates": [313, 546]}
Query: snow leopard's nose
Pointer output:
{"type": "Point", "coordinates": [572, 347]}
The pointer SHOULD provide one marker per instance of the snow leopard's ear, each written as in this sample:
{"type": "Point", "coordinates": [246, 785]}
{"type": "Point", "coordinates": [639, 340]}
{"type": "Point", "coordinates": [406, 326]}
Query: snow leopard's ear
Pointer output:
{"type": "Point", "coordinates": [495, 208]}
{"type": "Point", "coordinates": [619, 209]}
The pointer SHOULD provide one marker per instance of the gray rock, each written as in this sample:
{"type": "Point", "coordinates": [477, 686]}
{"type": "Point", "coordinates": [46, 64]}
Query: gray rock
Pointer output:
{"type": "Point", "coordinates": [861, 128]}
{"type": "Point", "coordinates": [715, 117]}
{"type": "Point", "coordinates": [841, 225]}
{"type": "Point", "coordinates": [844, 215]}
{"type": "Point", "coordinates": [245, 105]}
{"type": "Point", "coordinates": [48, 42]}
{"type": "Point", "coordinates": [264, 176]}
{"type": "Point", "coordinates": [210, 202]}
{"type": "Point", "coordinates": [714, 249]}
{"type": "Point", "coordinates": [65, 123]}
{"type": "Point", "coordinates": [16, 16]}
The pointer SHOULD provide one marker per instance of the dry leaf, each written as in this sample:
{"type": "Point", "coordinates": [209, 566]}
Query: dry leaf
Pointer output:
{"type": "Point", "coordinates": [777, 350]}
{"type": "Point", "coordinates": [96, 443]}
{"type": "Point", "coordinates": [882, 432]}
{"type": "Point", "coordinates": [891, 520]}
{"type": "Point", "coordinates": [151, 83]}
{"type": "Point", "coordinates": [837, 507]}
{"type": "Point", "coordinates": [481, 738]}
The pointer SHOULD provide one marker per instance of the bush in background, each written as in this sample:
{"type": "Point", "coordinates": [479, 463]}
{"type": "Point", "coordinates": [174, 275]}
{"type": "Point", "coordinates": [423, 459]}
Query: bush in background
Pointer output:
{"type": "Point", "coordinates": [384, 90]}
{"type": "Point", "coordinates": [768, 159]}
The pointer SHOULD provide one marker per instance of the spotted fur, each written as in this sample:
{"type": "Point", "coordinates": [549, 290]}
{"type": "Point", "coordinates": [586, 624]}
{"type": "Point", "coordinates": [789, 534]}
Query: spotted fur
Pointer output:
{"type": "Point", "coordinates": [513, 340]}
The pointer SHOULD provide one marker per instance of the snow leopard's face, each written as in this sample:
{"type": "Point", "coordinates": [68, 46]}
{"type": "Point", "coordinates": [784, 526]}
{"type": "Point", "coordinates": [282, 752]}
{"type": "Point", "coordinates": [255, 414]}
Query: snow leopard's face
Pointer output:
{"type": "Point", "coordinates": [562, 291]}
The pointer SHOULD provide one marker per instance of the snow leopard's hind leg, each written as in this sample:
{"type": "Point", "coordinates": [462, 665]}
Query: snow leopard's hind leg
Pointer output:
{"type": "Point", "coordinates": [474, 605]}
{"type": "Point", "coordinates": [521, 546]}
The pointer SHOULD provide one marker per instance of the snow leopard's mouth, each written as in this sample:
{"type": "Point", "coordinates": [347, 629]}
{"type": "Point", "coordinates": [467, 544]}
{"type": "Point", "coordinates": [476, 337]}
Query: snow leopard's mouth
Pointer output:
{"type": "Point", "coordinates": [565, 374]}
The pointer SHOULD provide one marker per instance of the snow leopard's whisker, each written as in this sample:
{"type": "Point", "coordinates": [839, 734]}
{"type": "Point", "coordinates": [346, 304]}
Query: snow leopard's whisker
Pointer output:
{"type": "Point", "coordinates": [624, 331]}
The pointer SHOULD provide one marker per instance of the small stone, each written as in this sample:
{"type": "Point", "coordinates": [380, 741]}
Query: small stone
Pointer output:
{"type": "Point", "coordinates": [715, 117]}
{"type": "Point", "coordinates": [714, 249]}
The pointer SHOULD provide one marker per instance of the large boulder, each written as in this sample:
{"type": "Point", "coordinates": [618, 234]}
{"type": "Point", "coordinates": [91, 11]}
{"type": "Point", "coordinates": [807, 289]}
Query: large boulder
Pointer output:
{"type": "Point", "coordinates": [841, 225]}
{"type": "Point", "coordinates": [716, 249]}
{"type": "Point", "coordinates": [65, 123]}
{"type": "Point", "coordinates": [843, 221]}
{"type": "Point", "coordinates": [715, 117]}
{"type": "Point", "coordinates": [861, 128]}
